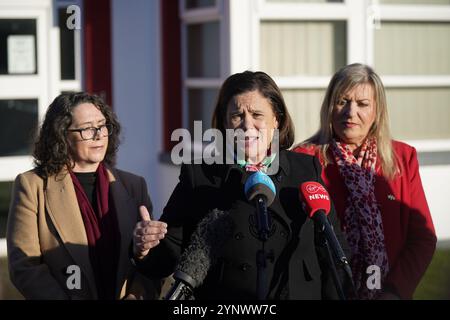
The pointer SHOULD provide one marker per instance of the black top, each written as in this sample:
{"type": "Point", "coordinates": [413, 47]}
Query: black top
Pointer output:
{"type": "Point", "coordinates": [88, 182]}
{"type": "Point", "coordinates": [297, 269]}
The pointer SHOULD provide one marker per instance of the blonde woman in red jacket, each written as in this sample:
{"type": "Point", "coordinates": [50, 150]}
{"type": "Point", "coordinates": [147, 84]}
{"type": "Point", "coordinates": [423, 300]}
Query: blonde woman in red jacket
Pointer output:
{"type": "Point", "coordinates": [375, 185]}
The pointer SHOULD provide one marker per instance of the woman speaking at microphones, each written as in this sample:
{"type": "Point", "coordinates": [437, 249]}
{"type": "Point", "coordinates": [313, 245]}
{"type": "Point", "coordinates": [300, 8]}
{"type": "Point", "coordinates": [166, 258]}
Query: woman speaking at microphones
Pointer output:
{"type": "Point", "coordinates": [236, 227]}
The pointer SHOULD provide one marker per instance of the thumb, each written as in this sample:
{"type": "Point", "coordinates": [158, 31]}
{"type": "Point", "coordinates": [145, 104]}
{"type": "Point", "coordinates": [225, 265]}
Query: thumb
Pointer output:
{"type": "Point", "coordinates": [143, 212]}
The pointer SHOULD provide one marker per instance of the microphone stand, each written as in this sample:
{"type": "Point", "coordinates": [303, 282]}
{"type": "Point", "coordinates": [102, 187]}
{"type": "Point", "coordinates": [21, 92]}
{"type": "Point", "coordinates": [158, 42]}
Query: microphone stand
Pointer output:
{"type": "Point", "coordinates": [334, 273]}
{"type": "Point", "coordinates": [261, 255]}
{"type": "Point", "coordinates": [330, 257]}
{"type": "Point", "coordinates": [261, 276]}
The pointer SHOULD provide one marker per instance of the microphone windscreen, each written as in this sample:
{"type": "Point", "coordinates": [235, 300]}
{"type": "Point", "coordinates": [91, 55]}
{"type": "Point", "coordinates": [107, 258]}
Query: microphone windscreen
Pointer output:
{"type": "Point", "coordinates": [260, 183]}
{"type": "Point", "coordinates": [206, 245]}
{"type": "Point", "coordinates": [314, 197]}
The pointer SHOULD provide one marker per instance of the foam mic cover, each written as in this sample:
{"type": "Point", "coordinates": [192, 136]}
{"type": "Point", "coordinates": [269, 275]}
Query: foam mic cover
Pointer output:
{"type": "Point", "coordinates": [204, 249]}
{"type": "Point", "coordinates": [314, 198]}
{"type": "Point", "coordinates": [260, 183]}
{"type": "Point", "coordinates": [206, 245]}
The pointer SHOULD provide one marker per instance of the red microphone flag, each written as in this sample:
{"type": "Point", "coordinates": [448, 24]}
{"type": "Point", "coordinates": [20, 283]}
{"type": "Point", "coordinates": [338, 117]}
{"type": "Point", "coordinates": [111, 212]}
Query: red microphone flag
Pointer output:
{"type": "Point", "coordinates": [314, 197]}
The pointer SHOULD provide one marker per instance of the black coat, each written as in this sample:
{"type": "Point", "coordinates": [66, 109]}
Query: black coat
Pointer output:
{"type": "Point", "coordinates": [298, 268]}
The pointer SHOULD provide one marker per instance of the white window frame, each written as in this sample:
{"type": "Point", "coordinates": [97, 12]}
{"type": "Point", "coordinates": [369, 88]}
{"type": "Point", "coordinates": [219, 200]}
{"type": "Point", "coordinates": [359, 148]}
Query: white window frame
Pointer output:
{"type": "Point", "coordinates": [262, 10]}
{"type": "Point", "coordinates": [245, 46]}
{"type": "Point", "coordinates": [216, 13]}
{"type": "Point", "coordinates": [77, 83]}
{"type": "Point", "coordinates": [45, 85]}
{"type": "Point", "coordinates": [415, 13]}
{"type": "Point", "coordinates": [27, 86]}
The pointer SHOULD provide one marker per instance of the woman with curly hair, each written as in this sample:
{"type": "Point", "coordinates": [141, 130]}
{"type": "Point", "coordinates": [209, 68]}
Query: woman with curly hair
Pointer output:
{"type": "Point", "coordinates": [71, 218]}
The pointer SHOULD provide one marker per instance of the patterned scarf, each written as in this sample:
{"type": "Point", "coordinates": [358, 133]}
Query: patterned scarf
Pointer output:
{"type": "Point", "coordinates": [362, 219]}
{"type": "Point", "coordinates": [262, 166]}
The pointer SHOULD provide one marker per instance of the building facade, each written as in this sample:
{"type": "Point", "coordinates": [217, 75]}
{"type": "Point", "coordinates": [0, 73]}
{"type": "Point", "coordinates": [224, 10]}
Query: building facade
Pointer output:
{"type": "Point", "coordinates": [159, 63]}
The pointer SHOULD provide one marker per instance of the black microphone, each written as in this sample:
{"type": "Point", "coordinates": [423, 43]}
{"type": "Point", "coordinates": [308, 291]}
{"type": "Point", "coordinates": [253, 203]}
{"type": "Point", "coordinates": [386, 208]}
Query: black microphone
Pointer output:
{"type": "Point", "coordinates": [205, 247]}
{"type": "Point", "coordinates": [259, 188]}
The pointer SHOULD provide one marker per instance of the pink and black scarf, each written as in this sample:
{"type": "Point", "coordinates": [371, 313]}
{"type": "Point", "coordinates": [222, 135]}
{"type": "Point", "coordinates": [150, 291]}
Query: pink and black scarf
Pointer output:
{"type": "Point", "coordinates": [362, 219]}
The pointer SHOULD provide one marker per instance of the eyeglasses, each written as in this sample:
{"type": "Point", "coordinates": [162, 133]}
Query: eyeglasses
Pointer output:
{"type": "Point", "coordinates": [91, 132]}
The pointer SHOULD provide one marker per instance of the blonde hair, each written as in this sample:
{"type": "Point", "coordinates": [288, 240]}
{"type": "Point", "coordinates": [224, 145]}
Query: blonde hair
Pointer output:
{"type": "Point", "coordinates": [344, 80]}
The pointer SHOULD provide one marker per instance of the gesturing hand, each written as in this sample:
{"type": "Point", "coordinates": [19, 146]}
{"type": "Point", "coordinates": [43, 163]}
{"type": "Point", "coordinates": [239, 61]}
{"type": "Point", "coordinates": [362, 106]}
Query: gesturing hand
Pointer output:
{"type": "Point", "coordinates": [147, 234]}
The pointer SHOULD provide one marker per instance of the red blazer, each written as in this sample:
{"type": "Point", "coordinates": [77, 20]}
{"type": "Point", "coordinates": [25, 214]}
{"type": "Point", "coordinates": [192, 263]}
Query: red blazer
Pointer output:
{"type": "Point", "coordinates": [409, 233]}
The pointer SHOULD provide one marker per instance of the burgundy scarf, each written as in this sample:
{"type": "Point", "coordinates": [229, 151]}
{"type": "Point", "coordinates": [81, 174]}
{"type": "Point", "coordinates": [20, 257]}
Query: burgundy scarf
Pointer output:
{"type": "Point", "coordinates": [362, 219]}
{"type": "Point", "coordinates": [102, 233]}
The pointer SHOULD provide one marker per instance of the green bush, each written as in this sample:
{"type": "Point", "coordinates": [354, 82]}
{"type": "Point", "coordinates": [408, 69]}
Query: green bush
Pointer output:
{"type": "Point", "coordinates": [7, 290]}
{"type": "Point", "coordinates": [5, 196]}
{"type": "Point", "coordinates": [435, 284]}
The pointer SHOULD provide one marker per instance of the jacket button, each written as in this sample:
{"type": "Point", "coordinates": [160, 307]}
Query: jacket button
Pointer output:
{"type": "Point", "coordinates": [245, 266]}
{"type": "Point", "coordinates": [279, 178]}
{"type": "Point", "coordinates": [238, 236]}
{"type": "Point", "coordinates": [283, 234]}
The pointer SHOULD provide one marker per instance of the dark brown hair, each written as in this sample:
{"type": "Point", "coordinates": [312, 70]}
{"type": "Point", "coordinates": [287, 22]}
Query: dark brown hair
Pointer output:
{"type": "Point", "coordinates": [51, 151]}
{"type": "Point", "coordinates": [248, 81]}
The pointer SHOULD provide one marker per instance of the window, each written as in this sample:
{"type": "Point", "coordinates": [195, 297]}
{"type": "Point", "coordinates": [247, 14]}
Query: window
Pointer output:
{"type": "Point", "coordinates": [203, 47]}
{"type": "Point", "coordinates": [290, 48]}
{"type": "Point", "coordinates": [70, 49]}
{"type": "Point", "coordinates": [5, 198]}
{"type": "Point", "coordinates": [67, 46]}
{"type": "Point", "coordinates": [304, 108]}
{"type": "Point", "coordinates": [411, 47]}
{"type": "Point", "coordinates": [24, 83]}
{"type": "Point", "coordinates": [39, 59]}
{"type": "Point", "coordinates": [202, 59]}
{"type": "Point", "coordinates": [419, 113]}
{"type": "Point", "coordinates": [301, 43]}
{"type": "Point", "coordinates": [196, 4]}
{"type": "Point", "coordinates": [201, 106]}
{"type": "Point", "coordinates": [18, 139]}
{"type": "Point", "coordinates": [18, 41]}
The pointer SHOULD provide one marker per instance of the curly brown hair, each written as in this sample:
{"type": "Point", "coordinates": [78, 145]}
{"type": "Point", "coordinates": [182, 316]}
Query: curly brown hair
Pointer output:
{"type": "Point", "coordinates": [51, 149]}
